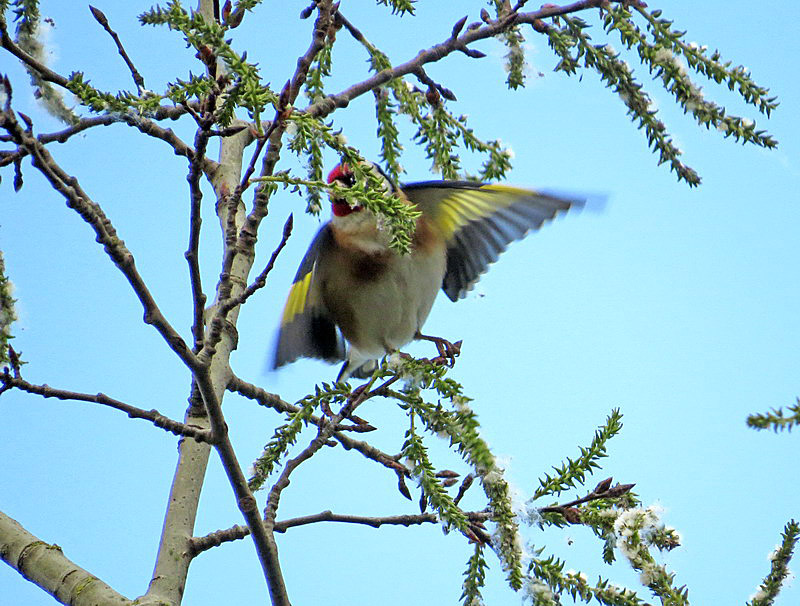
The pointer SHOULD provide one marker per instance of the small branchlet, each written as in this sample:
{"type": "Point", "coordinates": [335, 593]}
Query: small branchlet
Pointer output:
{"type": "Point", "coordinates": [8, 314]}
{"type": "Point", "coordinates": [775, 419]}
{"type": "Point", "coordinates": [460, 427]}
{"type": "Point", "coordinates": [286, 435]}
{"type": "Point", "coordinates": [474, 577]}
{"type": "Point", "coordinates": [779, 570]}
{"type": "Point", "coordinates": [573, 472]}
{"type": "Point", "coordinates": [208, 39]}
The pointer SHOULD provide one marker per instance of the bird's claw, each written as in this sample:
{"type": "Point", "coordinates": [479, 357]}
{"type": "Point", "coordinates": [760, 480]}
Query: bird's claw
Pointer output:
{"type": "Point", "coordinates": [448, 352]}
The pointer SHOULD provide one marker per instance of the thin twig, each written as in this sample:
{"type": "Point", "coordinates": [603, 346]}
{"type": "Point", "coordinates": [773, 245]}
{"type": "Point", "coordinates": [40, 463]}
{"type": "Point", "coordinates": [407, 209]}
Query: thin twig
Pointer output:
{"type": "Point", "coordinates": [270, 400]}
{"type": "Point", "coordinates": [261, 280]}
{"type": "Point", "coordinates": [91, 212]}
{"type": "Point", "coordinates": [234, 533]}
{"type": "Point", "coordinates": [603, 490]}
{"type": "Point", "coordinates": [102, 20]}
{"type": "Point", "coordinates": [195, 223]}
{"type": "Point", "coordinates": [322, 27]}
{"type": "Point", "coordinates": [325, 432]}
{"type": "Point", "coordinates": [155, 417]}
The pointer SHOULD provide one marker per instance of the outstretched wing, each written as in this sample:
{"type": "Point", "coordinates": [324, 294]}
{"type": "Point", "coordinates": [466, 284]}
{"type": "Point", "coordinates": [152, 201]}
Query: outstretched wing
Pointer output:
{"type": "Point", "coordinates": [307, 328]}
{"type": "Point", "coordinates": [479, 220]}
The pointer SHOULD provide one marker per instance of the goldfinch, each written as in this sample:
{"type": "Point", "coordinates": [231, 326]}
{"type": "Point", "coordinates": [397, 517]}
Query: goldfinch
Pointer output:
{"type": "Point", "coordinates": [352, 287]}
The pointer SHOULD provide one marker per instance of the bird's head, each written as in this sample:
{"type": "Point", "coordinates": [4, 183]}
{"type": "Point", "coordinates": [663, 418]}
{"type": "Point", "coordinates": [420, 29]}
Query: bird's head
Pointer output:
{"type": "Point", "coordinates": [363, 227]}
{"type": "Point", "coordinates": [343, 175]}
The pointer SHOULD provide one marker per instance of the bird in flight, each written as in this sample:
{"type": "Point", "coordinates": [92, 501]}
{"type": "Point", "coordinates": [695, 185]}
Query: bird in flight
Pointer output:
{"type": "Point", "coordinates": [353, 288]}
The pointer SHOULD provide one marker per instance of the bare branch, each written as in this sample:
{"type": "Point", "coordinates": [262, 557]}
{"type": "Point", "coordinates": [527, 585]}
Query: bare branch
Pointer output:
{"type": "Point", "coordinates": [102, 20]}
{"type": "Point", "coordinates": [234, 533]}
{"type": "Point", "coordinates": [261, 280]}
{"type": "Point", "coordinates": [155, 417]}
{"type": "Point", "coordinates": [144, 125]}
{"type": "Point", "coordinates": [48, 567]}
{"type": "Point", "coordinates": [90, 211]}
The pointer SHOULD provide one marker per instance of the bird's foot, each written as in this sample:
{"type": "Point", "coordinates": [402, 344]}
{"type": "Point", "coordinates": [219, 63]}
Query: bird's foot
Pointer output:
{"type": "Point", "coordinates": [448, 352]}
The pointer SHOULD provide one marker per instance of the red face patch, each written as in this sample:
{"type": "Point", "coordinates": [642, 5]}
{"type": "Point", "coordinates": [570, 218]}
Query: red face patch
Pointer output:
{"type": "Point", "coordinates": [344, 176]}
{"type": "Point", "coordinates": [341, 172]}
{"type": "Point", "coordinates": [341, 208]}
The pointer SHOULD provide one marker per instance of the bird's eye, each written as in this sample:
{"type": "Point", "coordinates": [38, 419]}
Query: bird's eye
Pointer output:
{"type": "Point", "coordinates": [347, 179]}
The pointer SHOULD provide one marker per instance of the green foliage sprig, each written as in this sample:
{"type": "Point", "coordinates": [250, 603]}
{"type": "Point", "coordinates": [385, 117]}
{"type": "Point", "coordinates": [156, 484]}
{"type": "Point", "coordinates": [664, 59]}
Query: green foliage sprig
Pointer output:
{"type": "Point", "coordinates": [389, 135]}
{"type": "Point", "coordinates": [286, 435]}
{"type": "Point", "coordinates": [779, 570]}
{"type": "Point", "coordinates": [103, 102]}
{"type": "Point", "coordinates": [315, 89]}
{"type": "Point", "coordinates": [628, 529]}
{"type": "Point", "coordinates": [775, 419]}
{"type": "Point", "coordinates": [208, 39]}
{"type": "Point", "coordinates": [710, 66]}
{"type": "Point", "coordinates": [573, 472]}
{"type": "Point", "coordinates": [29, 38]}
{"type": "Point", "coordinates": [400, 7]}
{"type": "Point", "coordinates": [434, 493]}
{"type": "Point", "coordinates": [617, 75]}
{"type": "Point", "coordinates": [549, 579]}
{"type": "Point", "coordinates": [474, 577]}
{"type": "Point", "coordinates": [438, 129]}
{"type": "Point", "coordinates": [7, 312]}
{"type": "Point", "coordinates": [370, 189]}
{"type": "Point", "coordinates": [460, 427]}
{"type": "Point", "coordinates": [26, 14]}
{"type": "Point", "coordinates": [515, 58]}
{"type": "Point", "coordinates": [663, 57]}
{"type": "Point", "coordinates": [663, 52]}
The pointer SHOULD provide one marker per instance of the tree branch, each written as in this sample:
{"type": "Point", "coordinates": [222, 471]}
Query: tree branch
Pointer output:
{"type": "Point", "coordinates": [261, 279]}
{"type": "Point", "coordinates": [46, 566]}
{"type": "Point", "coordinates": [144, 125]}
{"type": "Point", "coordinates": [458, 43]}
{"type": "Point", "coordinates": [270, 400]}
{"type": "Point", "coordinates": [77, 199]}
{"type": "Point", "coordinates": [45, 72]}
{"type": "Point", "coordinates": [155, 417]}
{"type": "Point", "coordinates": [326, 429]}
{"type": "Point", "coordinates": [234, 533]}
{"type": "Point", "coordinates": [103, 21]}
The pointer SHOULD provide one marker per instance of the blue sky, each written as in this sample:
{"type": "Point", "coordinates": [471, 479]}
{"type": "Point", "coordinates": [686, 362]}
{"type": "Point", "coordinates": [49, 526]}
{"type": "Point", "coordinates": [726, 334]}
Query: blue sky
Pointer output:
{"type": "Point", "coordinates": [676, 305]}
